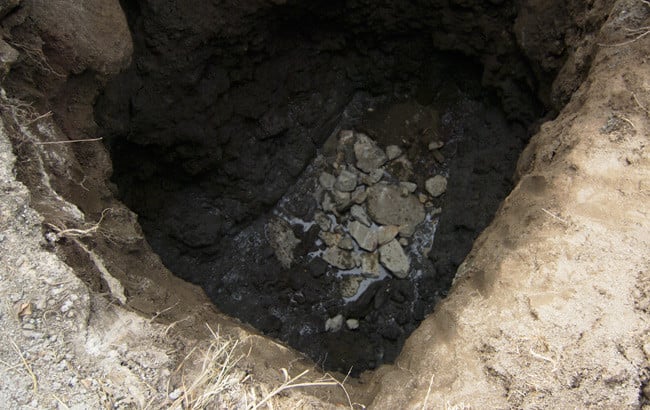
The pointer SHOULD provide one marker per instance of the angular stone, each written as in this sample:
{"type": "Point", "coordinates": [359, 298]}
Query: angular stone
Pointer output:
{"type": "Point", "coordinates": [328, 203]}
{"type": "Point", "coordinates": [370, 265]}
{"type": "Point", "coordinates": [346, 136]}
{"type": "Point", "coordinates": [392, 256]}
{"type": "Point", "coordinates": [435, 145]}
{"type": "Point", "coordinates": [327, 180]}
{"type": "Point", "coordinates": [365, 237]}
{"type": "Point", "coordinates": [410, 187]}
{"type": "Point", "coordinates": [282, 240]}
{"type": "Point", "coordinates": [369, 155]}
{"type": "Point", "coordinates": [339, 258]}
{"type": "Point", "coordinates": [352, 324]}
{"type": "Point", "coordinates": [437, 156]}
{"type": "Point", "coordinates": [404, 242]}
{"type": "Point", "coordinates": [401, 168]}
{"type": "Point", "coordinates": [346, 181]}
{"type": "Point", "coordinates": [423, 198]}
{"type": "Point", "coordinates": [387, 206]}
{"type": "Point", "coordinates": [341, 199]}
{"type": "Point", "coordinates": [393, 151]}
{"type": "Point", "coordinates": [360, 214]}
{"type": "Point", "coordinates": [386, 234]}
{"type": "Point", "coordinates": [350, 285]}
{"type": "Point", "coordinates": [323, 221]}
{"type": "Point", "coordinates": [346, 244]}
{"type": "Point", "coordinates": [330, 238]}
{"type": "Point", "coordinates": [359, 195]}
{"type": "Point", "coordinates": [373, 177]}
{"type": "Point", "coordinates": [436, 186]}
{"type": "Point", "coordinates": [334, 324]}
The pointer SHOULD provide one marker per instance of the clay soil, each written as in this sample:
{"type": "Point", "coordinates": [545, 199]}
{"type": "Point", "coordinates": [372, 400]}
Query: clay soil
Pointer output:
{"type": "Point", "coordinates": [549, 310]}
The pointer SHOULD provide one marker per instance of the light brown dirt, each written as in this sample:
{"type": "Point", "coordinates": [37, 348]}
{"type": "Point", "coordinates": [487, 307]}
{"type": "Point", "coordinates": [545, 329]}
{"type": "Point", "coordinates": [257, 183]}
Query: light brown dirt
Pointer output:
{"type": "Point", "coordinates": [550, 310]}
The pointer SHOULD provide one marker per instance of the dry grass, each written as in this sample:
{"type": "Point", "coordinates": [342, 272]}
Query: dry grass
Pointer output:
{"type": "Point", "coordinates": [220, 383]}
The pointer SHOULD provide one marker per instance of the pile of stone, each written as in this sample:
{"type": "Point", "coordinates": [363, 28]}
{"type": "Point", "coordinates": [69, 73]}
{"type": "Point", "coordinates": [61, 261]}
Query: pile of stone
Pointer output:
{"type": "Point", "coordinates": [368, 213]}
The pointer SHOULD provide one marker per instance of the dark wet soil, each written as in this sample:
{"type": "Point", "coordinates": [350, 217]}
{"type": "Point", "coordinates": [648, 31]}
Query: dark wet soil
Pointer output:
{"type": "Point", "coordinates": [245, 279]}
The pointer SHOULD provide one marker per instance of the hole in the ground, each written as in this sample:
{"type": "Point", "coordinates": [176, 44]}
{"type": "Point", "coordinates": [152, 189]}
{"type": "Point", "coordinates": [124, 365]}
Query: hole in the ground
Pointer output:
{"type": "Point", "coordinates": [230, 141]}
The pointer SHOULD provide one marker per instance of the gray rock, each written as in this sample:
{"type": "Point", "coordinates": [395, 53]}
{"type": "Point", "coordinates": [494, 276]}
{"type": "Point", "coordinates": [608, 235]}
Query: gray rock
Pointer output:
{"type": "Point", "coordinates": [282, 240]}
{"type": "Point", "coordinates": [386, 234]}
{"type": "Point", "coordinates": [352, 324]}
{"type": "Point", "coordinates": [327, 180]}
{"type": "Point", "coordinates": [387, 206]}
{"type": "Point", "coordinates": [350, 285]}
{"type": "Point", "coordinates": [393, 151]}
{"type": "Point", "coordinates": [339, 258]}
{"type": "Point", "coordinates": [346, 181]}
{"type": "Point", "coordinates": [360, 214]}
{"type": "Point", "coordinates": [334, 324]}
{"type": "Point", "coordinates": [370, 265]}
{"type": "Point", "coordinates": [359, 195]}
{"type": "Point", "coordinates": [365, 237]}
{"type": "Point", "coordinates": [403, 241]}
{"type": "Point", "coordinates": [373, 177]}
{"type": "Point", "coordinates": [436, 186]}
{"type": "Point", "coordinates": [392, 256]}
{"type": "Point", "coordinates": [369, 155]}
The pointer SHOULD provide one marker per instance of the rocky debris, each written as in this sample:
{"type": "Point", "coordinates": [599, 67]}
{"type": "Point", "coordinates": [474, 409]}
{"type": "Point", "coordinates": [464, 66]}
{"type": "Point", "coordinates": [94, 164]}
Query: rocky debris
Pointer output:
{"type": "Point", "coordinates": [392, 256]}
{"type": "Point", "coordinates": [370, 265]}
{"type": "Point", "coordinates": [366, 237]}
{"type": "Point", "coordinates": [340, 258]}
{"type": "Point", "coordinates": [346, 181]}
{"type": "Point", "coordinates": [387, 206]}
{"type": "Point", "coordinates": [282, 240]}
{"type": "Point", "coordinates": [369, 155]}
{"type": "Point", "coordinates": [370, 206]}
{"type": "Point", "coordinates": [436, 186]}
{"type": "Point", "coordinates": [334, 324]}
{"type": "Point", "coordinates": [360, 214]}
{"type": "Point", "coordinates": [352, 324]}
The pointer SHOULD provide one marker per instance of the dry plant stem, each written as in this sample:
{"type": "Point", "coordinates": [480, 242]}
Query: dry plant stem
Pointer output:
{"type": "Point", "coordinates": [68, 141]}
{"type": "Point", "coordinates": [76, 233]}
{"type": "Point", "coordinates": [27, 367]}
{"type": "Point", "coordinates": [292, 383]}
{"type": "Point", "coordinates": [551, 214]}
{"type": "Point", "coordinates": [426, 398]}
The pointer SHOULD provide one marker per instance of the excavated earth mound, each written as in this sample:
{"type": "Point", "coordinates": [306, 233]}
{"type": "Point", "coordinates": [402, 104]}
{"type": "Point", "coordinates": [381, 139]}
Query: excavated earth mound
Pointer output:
{"type": "Point", "coordinates": [444, 204]}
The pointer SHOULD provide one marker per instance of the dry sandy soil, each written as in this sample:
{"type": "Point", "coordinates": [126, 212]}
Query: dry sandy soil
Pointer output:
{"type": "Point", "coordinates": [549, 310]}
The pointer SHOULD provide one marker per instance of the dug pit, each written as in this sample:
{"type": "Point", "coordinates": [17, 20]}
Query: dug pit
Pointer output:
{"type": "Point", "coordinates": [323, 170]}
